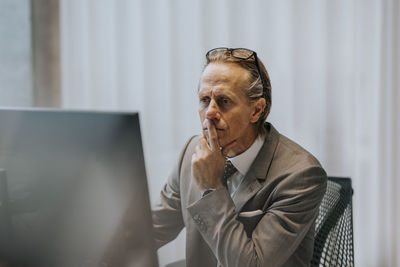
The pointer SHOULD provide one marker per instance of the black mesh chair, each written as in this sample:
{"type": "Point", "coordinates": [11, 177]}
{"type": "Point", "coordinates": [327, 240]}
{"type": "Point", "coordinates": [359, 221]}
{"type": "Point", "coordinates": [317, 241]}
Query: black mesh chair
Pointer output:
{"type": "Point", "coordinates": [333, 245]}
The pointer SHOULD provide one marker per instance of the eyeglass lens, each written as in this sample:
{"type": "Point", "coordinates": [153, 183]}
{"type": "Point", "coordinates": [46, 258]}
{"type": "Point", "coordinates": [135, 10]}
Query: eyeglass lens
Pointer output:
{"type": "Point", "coordinates": [242, 53]}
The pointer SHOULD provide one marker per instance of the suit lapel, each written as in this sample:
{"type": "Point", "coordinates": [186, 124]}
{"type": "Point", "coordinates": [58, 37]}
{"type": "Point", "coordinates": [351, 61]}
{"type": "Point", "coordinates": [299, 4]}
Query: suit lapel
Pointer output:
{"type": "Point", "coordinates": [259, 169]}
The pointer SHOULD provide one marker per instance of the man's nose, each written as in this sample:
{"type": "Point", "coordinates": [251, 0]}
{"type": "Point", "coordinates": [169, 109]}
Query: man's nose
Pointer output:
{"type": "Point", "coordinates": [212, 112]}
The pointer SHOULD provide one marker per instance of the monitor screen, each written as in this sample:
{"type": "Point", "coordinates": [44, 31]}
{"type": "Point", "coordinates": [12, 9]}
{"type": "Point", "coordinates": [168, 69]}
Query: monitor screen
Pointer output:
{"type": "Point", "coordinates": [73, 190]}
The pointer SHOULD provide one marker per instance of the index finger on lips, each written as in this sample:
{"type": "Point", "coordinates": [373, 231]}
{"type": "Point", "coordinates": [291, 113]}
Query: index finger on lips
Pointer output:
{"type": "Point", "coordinates": [212, 136]}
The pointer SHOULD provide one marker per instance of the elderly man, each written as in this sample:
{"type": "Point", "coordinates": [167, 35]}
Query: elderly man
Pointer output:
{"type": "Point", "coordinates": [247, 195]}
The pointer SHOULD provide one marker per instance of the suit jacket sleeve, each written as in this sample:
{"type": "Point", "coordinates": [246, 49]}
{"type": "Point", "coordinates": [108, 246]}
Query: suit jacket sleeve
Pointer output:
{"type": "Point", "coordinates": [167, 215]}
{"type": "Point", "coordinates": [284, 223]}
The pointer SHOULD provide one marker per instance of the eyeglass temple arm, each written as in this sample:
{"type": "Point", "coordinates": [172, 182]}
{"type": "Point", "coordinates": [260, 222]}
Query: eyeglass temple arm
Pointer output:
{"type": "Point", "coordinates": [264, 79]}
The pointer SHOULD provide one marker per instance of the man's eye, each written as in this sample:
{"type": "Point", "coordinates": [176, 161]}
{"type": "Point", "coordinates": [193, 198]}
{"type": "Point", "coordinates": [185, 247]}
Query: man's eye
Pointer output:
{"type": "Point", "coordinates": [204, 100]}
{"type": "Point", "coordinates": [226, 100]}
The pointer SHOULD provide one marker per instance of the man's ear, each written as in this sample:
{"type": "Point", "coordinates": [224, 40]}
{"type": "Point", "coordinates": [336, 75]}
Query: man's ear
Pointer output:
{"type": "Point", "coordinates": [258, 108]}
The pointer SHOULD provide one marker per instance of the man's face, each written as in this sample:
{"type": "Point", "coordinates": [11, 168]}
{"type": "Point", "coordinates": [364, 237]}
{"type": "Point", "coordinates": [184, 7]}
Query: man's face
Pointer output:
{"type": "Point", "coordinates": [223, 102]}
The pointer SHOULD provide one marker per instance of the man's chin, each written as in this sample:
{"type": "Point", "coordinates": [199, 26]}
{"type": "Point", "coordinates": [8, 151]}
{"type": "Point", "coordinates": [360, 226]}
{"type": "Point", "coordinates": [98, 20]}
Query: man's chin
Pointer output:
{"type": "Point", "coordinates": [228, 148]}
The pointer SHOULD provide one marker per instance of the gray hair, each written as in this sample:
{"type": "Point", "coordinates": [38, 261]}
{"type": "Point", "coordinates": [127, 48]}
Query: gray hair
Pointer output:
{"type": "Point", "coordinates": [255, 89]}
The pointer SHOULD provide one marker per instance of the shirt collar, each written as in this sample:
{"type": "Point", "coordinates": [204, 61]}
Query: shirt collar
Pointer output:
{"type": "Point", "coordinates": [243, 161]}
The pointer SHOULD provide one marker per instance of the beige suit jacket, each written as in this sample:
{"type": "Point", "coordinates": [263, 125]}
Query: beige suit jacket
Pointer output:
{"type": "Point", "coordinates": [282, 191]}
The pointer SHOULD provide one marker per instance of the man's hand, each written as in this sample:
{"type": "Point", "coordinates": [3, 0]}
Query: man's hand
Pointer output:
{"type": "Point", "coordinates": [208, 161]}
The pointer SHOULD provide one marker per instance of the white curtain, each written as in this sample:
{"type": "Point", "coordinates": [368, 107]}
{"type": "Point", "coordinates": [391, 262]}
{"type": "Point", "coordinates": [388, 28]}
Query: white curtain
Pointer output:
{"type": "Point", "coordinates": [15, 54]}
{"type": "Point", "coordinates": [334, 65]}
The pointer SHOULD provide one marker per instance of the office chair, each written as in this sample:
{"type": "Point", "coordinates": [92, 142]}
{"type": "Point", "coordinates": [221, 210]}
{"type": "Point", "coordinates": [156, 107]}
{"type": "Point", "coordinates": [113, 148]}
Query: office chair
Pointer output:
{"type": "Point", "coordinates": [333, 245]}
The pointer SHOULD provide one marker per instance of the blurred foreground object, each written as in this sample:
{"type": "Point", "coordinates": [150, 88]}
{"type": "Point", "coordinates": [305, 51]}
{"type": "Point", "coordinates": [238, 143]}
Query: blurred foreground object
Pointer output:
{"type": "Point", "coordinates": [76, 188]}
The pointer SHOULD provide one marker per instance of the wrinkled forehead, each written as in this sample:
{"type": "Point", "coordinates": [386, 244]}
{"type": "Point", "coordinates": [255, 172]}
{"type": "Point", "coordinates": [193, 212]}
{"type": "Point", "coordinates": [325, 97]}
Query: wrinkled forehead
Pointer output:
{"type": "Point", "coordinates": [227, 74]}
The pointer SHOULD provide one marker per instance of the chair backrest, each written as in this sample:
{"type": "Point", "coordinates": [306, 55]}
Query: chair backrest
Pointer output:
{"type": "Point", "coordinates": [333, 245]}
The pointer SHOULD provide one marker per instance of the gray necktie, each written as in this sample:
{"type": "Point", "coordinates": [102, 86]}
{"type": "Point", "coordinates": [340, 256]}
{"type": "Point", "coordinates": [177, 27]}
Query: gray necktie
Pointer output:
{"type": "Point", "coordinates": [228, 171]}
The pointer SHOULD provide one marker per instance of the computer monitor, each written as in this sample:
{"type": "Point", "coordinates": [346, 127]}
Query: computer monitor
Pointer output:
{"type": "Point", "coordinates": [73, 190]}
